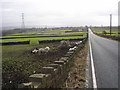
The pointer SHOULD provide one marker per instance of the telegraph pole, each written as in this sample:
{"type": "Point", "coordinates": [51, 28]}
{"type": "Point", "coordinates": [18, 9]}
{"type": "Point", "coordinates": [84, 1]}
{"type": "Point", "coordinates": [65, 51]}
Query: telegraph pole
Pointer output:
{"type": "Point", "coordinates": [23, 24]}
{"type": "Point", "coordinates": [110, 23]}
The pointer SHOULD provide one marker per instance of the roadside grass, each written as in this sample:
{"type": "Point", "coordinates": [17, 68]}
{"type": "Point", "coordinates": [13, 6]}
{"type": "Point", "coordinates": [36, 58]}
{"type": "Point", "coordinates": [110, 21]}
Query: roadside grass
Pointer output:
{"type": "Point", "coordinates": [77, 74]}
{"type": "Point", "coordinates": [115, 34]}
{"type": "Point", "coordinates": [115, 31]}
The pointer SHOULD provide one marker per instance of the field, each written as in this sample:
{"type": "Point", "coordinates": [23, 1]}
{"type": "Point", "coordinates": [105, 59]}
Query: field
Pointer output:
{"type": "Point", "coordinates": [19, 62]}
{"type": "Point", "coordinates": [42, 35]}
{"type": "Point", "coordinates": [100, 30]}
{"type": "Point", "coordinates": [105, 32]}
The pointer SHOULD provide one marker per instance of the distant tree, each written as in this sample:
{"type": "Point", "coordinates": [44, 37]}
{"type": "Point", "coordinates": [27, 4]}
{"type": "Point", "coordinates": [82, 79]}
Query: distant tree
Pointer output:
{"type": "Point", "coordinates": [75, 29]}
{"type": "Point", "coordinates": [104, 32]}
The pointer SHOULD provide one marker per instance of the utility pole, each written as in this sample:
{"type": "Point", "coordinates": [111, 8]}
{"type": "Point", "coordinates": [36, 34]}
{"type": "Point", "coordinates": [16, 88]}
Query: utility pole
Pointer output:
{"type": "Point", "coordinates": [101, 28]}
{"type": "Point", "coordinates": [110, 23]}
{"type": "Point", "coordinates": [23, 24]}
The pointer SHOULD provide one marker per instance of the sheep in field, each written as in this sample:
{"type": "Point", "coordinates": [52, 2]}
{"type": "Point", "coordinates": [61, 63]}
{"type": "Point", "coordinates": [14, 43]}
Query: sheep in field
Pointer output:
{"type": "Point", "coordinates": [64, 43]}
{"type": "Point", "coordinates": [77, 43]}
{"type": "Point", "coordinates": [71, 49]}
{"type": "Point", "coordinates": [43, 50]}
{"type": "Point", "coordinates": [34, 51]}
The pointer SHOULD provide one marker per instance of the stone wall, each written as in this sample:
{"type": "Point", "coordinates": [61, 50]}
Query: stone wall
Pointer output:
{"type": "Point", "coordinates": [55, 74]}
{"type": "Point", "coordinates": [50, 41]}
{"type": "Point", "coordinates": [15, 43]}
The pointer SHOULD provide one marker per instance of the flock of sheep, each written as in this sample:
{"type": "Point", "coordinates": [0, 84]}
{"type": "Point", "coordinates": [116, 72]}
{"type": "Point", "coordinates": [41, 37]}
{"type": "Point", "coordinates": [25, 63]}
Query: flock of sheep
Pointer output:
{"type": "Point", "coordinates": [62, 43]}
{"type": "Point", "coordinates": [41, 50]}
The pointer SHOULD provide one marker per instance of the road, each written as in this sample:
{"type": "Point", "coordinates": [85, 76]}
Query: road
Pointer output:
{"type": "Point", "coordinates": [105, 59]}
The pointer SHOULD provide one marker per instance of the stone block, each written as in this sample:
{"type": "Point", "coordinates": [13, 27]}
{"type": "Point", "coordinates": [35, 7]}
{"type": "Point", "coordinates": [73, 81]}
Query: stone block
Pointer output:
{"type": "Point", "coordinates": [56, 66]}
{"type": "Point", "coordinates": [26, 85]}
{"type": "Point", "coordinates": [69, 54]}
{"type": "Point", "coordinates": [39, 80]}
{"type": "Point", "coordinates": [48, 70]}
{"type": "Point", "coordinates": [60, 62]}
{"type": "Point", "coordinates": [65, 59]}
{"type": "Point", "coordinates": [38, 77]}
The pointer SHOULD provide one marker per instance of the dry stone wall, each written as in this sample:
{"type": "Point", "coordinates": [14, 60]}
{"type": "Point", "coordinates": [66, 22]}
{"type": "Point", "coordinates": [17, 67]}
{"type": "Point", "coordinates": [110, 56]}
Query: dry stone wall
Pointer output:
{"type": "Point", "coordinates": [50, 41]}
{"type": "Point", "coordinates": [15, 43]}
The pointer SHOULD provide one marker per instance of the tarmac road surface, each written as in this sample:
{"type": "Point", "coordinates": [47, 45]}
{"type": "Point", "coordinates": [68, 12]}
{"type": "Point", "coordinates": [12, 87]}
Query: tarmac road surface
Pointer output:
{"type": "Point", "coordinates": [105, 58]}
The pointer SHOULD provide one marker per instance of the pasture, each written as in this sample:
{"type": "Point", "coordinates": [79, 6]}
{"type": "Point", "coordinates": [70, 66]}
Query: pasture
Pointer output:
{"type": "Point", "coordinates": [100, 30]}
{"type": "Point", "coordinates": [42, 35]}
{"type": "Point", "coordinates": [105, 32]}
{"type": "Point", "coordinates": [19, 62]}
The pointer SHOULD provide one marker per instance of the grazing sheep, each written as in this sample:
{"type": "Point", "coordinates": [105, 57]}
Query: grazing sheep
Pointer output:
{"type": "Point", "coordinates": [47, 48]}
{"type": "Point", "coordinates": [75, 43]}
{"type": "Point", "coordinates": [43, 50]}
{"type": "Point", "coordinates": [65, 43]}
{"type": "Point", "coordinates": [75, 47]}
{"type": "Point", "coordinates": [71, 49]}
{"type": "Point", "coordinates": [34, 51]}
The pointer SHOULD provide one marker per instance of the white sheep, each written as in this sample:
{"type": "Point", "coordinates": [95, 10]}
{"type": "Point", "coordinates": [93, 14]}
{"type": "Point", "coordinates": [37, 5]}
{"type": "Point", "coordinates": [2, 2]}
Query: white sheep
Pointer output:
{"type": "Point", "coordinates": [43, 50]}
{"type": "Point", "coordinates": [65, 43]}
{"type": "Point", "coordinates": [34, 51]}
{"type": "Point", "coordinates": [47, 49]}
{"type": "Point", "coordinates": [71, 49]}
{"type": "Point", "coordinates": [75, 47]}
{"type": "Point", "coordinates": [77, 43]}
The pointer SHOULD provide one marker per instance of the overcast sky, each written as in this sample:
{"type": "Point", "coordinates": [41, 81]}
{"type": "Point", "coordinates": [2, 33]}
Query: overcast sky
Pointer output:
{"type": "Point", "coordinates": [59, 12]}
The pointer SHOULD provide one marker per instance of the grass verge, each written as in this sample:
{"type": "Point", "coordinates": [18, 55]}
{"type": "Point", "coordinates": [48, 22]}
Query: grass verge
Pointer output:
{"type": "Point", "coordinates": [115, 35]}
{"type": "Point", "coordinates": [116, 38]}
{"type": "Point", "coordinates": [77, 75]}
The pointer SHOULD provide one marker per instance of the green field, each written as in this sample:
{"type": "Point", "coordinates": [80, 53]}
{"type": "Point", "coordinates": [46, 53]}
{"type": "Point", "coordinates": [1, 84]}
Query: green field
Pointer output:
{"type": "Point", "coordinates": [18, 62]}
{"type": "Point", "coordinates": [34, 37]}
{"type": "Point", "coordinates": [105, 32]}
{"type": "Point", "coordinates": [100, 31]}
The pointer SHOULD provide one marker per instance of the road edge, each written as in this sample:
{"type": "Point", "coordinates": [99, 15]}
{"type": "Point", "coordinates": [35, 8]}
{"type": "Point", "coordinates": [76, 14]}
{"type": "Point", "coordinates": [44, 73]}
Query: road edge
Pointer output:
{"type": "Point", "coordinates": [92, 64]}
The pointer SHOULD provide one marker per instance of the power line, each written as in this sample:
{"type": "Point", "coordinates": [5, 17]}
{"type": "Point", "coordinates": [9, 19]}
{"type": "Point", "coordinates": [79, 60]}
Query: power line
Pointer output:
{"type": "Point", "coordinates": [23, 23]}
{"type": "Point", "coordinates": [110, 23]}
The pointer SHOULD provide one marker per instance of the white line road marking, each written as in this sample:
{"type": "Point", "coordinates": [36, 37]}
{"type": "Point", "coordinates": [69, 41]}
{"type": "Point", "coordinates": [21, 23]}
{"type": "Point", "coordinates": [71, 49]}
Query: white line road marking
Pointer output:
{"type": "Point", "coordinates": [92, 65]}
